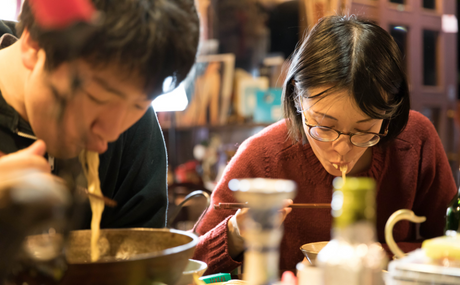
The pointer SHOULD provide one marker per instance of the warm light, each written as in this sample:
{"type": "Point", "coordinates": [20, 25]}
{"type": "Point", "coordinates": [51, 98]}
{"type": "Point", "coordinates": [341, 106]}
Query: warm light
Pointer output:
{"type": "Point", "coordinates": [449, 24]}
{"type": "Point", "coordinates": [8, 10]}
{"type": "Point", "coordinates": [176, 100]}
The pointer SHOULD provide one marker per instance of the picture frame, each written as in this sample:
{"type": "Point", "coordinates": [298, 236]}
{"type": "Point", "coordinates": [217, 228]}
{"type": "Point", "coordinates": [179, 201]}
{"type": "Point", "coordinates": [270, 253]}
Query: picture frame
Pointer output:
{"type": "Point", "coordinates": [209, 90]}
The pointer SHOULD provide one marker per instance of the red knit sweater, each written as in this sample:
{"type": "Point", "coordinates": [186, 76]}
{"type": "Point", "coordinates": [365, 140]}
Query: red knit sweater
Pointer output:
{"type": "Point", "coordinates": [412, 172]}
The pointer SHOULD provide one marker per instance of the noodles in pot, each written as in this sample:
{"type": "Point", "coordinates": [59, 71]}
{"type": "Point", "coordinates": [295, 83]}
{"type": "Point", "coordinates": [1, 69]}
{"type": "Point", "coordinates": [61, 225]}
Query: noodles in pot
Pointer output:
{"type": "Point", "coordinates": [90, 163]}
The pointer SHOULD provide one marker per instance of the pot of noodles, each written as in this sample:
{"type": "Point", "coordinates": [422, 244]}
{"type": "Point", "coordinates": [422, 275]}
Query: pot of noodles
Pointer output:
{"type": "Point", "coordinates": [126, 256]}
{"type": "Point", "coordinates": [112, 256]}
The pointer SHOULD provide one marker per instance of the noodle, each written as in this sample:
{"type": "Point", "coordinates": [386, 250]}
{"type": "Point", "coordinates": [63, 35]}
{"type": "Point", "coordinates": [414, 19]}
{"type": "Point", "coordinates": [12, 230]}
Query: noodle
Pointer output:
{"type": "Point", "coordinates": [344, 170]}
{"type": "Point", "coordinates": [90, 164]}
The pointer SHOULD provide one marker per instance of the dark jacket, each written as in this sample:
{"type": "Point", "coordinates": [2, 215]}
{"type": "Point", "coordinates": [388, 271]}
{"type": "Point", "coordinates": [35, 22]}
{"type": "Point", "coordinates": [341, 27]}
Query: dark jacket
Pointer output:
{"type": "Point", "coordinates": [132, 171]}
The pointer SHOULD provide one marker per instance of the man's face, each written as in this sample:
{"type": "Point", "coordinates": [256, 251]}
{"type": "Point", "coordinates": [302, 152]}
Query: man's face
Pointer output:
{"type": "Point", "coordinates": [104, 106]}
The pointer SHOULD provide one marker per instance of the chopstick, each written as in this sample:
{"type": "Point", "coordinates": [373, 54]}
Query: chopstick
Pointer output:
{"type": "Point", "coordinates": [107, 201]}
{"type": "Point", "coordinates": [234, 206]}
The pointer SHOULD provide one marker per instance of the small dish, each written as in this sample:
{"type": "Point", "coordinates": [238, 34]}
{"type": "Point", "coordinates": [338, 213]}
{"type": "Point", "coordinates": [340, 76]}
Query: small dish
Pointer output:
{"type": "Point", "coordinates": [193, 267]}
{"type": "Point", "coordinates": [311, 250]}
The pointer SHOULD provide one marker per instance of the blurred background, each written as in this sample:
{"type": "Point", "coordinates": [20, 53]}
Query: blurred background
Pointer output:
{"type": "Point", "coordinates": [234, 89]}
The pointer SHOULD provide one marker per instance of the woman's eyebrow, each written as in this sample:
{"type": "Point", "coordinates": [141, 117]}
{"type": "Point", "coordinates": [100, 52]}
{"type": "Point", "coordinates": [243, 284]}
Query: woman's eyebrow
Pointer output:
{"type": "Point", "coordinates": [365, 120]}
{"type": "Point", "coordinates": [332, 118]}
{"type": "Point", "coordinates": [325, 115]}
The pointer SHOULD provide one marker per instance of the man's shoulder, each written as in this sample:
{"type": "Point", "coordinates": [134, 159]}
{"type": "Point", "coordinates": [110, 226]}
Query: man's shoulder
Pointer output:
{"type": "Point", "coordinates": [4, 28]}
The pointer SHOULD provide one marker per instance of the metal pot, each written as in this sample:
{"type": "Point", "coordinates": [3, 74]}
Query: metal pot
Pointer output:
{"type": "Point", "coordinates": [128, 256]}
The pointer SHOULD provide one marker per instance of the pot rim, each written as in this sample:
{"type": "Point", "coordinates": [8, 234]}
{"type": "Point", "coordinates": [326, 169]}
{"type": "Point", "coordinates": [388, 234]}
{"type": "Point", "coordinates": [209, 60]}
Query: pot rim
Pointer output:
{"type": "Point", "coordinates": [138, 257]}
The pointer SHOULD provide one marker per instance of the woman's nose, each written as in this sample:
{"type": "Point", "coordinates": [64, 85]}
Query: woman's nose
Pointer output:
{"type": "Point", "coordinates": [342, 145]}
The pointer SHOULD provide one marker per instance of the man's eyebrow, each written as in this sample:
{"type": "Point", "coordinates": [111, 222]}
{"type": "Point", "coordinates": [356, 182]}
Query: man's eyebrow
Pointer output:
{"type": "Point", "coordinates": [109, 88]}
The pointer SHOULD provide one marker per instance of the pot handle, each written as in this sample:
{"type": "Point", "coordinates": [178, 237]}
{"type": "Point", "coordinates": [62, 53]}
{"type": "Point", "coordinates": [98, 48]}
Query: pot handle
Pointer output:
{"type": "Point", "coordinates": [190, 196]}
{"type": "Point", "coordinates": [394, 218]}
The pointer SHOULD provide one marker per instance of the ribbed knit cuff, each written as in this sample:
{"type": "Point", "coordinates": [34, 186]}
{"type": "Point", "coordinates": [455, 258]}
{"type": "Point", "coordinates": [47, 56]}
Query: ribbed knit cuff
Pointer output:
{"type": "Point", "coordinates": [212, 248]}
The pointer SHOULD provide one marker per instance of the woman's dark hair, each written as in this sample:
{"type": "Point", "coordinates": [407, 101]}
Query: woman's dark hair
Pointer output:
{"type": "Point", "coordinates": [154, 39]}
{"type": "Point", "coordinates": [348, 53]}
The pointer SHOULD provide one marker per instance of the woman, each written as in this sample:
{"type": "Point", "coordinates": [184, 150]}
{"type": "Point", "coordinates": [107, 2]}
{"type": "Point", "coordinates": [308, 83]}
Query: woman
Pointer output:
{"type": "Point", "coordinates": [347, 107]}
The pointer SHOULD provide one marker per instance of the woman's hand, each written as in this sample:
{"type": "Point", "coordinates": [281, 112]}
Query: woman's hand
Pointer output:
{"type": "Point", "coordinates": [236, 235]}
{"type": "Point", "coordinates": [241, 215]}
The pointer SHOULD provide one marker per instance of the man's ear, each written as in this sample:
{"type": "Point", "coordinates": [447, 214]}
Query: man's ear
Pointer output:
{"type": "Point", "coordinates": [29, 50]}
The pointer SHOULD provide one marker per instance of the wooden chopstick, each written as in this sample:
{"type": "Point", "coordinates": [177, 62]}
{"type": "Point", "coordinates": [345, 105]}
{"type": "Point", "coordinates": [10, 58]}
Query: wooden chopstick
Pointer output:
{"type": "Point", "coordinates": [107, 201]}
{"type": "Point", "coordinates": [234, 206]}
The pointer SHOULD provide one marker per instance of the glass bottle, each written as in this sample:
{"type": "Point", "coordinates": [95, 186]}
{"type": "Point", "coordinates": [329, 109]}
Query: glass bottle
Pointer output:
{"type": "Point", "coordinates": [453, 214]}
{"type": "Point", "coordinates": [262, 225]}
{"type": "Point", "coordinates": [353, 256]}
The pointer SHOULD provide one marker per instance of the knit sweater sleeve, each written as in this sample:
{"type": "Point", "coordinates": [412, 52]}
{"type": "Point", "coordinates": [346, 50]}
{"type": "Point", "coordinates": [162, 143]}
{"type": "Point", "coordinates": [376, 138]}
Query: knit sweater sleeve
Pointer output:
{"type": "Point", "coordinates": [212, 248]}
{"type": "Point", "coordinates": [436, 185]}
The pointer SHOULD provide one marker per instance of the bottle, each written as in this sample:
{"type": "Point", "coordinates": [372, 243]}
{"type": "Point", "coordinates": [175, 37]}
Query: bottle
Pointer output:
{"type": "Point", "coordinates": [453, 215]}
{"type": "Point", "coordinates": [353, 256]}
{"type": "Point", "coordinates": [262, 225]}
{"type": "Point", "coordinates": [33, 221]}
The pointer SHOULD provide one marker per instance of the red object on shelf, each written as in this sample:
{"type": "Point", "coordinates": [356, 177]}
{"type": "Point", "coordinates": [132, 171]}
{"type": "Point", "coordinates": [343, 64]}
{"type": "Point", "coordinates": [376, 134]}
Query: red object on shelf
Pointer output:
{"type": "Point", "coordinates": [60, 14]}
{"type": "Point", "coordinates": [186, 173]}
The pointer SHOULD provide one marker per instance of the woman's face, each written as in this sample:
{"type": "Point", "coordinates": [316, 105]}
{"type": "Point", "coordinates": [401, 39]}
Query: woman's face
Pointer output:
{"type": "Point", "coordinates": [339, 111]}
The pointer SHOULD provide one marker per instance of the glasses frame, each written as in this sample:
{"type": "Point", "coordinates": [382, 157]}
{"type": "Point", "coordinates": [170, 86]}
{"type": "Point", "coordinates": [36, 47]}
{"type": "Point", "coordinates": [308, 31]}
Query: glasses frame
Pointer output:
{"type": "Point", "coordinates": [310, 126]}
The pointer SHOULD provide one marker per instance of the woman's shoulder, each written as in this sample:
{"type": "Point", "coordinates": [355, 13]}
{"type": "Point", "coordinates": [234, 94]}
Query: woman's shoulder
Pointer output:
{"type": "Point", "coordinates": [418, 129]}
{"type": "Point", "coordinates": [274, 137]}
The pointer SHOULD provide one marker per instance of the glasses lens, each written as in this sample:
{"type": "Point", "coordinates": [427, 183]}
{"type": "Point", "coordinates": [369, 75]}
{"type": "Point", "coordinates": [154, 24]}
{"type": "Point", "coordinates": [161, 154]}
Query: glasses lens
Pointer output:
{"type": "Point", "coordinates": [365, 140]}
{"type": "Point", "coordinates": [323, 134]}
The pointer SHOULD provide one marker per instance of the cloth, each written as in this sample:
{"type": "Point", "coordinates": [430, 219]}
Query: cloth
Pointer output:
{"type": "Point", "coordinates": [411, 172]}
{"type": "Point", "coordinates": [133, 171]}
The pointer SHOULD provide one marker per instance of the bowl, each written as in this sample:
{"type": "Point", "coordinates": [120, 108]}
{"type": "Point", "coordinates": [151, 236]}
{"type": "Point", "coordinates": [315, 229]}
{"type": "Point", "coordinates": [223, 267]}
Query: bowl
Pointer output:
{"type": "Point", "coordinates": [193, 267]}
{"type": "Point", "coordinates": [311, 250]}
{"type": "Point", "coordinates": [128, 256]}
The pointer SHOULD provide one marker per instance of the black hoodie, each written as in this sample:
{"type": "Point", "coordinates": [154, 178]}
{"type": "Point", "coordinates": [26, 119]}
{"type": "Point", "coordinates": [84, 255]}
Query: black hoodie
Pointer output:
{"type": "Point", "coordinates": [132, 171]}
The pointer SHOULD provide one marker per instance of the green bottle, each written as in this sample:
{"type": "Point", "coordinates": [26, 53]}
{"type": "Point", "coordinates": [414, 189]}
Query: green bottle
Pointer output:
{"type": "Point", "coordinates": [353, 256]}
{"type": "Point", "coordinates": [453, 214]}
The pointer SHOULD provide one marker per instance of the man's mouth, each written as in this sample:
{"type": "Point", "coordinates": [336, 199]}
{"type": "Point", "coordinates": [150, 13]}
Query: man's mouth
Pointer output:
{"type": "Point", "coordinates": [99, 146]}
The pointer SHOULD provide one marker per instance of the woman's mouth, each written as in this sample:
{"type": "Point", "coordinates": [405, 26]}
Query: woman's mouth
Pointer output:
{"type": "Point", "coordinates": [340, 165]}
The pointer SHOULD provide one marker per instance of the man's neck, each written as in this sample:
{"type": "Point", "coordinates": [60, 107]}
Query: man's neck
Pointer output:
{"type": "Point", "coordinates": [12, 78]}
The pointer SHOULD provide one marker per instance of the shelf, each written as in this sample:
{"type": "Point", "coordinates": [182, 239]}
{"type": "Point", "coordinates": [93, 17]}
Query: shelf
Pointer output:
{"type": "Point", "coordinates": [220, 127]}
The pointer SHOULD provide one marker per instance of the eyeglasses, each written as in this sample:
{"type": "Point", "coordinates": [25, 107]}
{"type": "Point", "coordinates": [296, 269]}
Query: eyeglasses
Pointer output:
{"type": "Point", "coordinates": [360, 139]}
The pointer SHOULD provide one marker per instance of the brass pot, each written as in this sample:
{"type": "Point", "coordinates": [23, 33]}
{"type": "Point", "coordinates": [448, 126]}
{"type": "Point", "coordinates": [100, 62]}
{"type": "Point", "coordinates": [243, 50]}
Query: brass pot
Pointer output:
{"type": "Point", "coordinates": [129, 256]}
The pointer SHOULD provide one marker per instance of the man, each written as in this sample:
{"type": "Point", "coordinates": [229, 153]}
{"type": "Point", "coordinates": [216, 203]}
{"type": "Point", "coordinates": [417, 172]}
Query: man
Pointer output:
{"type": "Point", "coordinates": [53, 106]}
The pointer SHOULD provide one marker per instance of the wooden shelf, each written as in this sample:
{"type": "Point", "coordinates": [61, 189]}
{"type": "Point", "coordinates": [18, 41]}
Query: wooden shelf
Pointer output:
{"type": "Point", "coordinates": [219, 127]}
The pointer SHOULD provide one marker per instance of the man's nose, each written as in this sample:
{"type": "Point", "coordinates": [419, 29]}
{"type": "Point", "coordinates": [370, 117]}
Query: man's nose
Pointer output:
{"type": "Point", "coordinates": [342, 145]}
{"type": "Point", "coordinates": [110, 124]}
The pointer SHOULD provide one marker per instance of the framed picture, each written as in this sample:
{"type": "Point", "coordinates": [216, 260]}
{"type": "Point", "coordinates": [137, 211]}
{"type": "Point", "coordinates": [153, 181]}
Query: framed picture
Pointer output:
{"type": "Point", "coordinates": [245, 94]}
{"type": "Point", "coordinates": [209, 90]}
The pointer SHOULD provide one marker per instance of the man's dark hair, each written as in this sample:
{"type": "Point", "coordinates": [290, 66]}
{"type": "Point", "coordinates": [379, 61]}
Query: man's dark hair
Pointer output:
{"type": "Point", "coordinates": [154, 39]}
{"type": "Point", "coordinates": [348, 53]}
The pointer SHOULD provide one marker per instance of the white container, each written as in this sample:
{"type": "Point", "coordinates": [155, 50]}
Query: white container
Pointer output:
{"type": "Point", "coordinates": [415, 270]}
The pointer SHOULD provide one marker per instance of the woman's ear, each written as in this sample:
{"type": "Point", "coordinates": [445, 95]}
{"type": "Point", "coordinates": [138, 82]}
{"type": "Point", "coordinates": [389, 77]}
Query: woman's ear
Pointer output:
{"type": "Point", "coordinates": [29, 50]}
